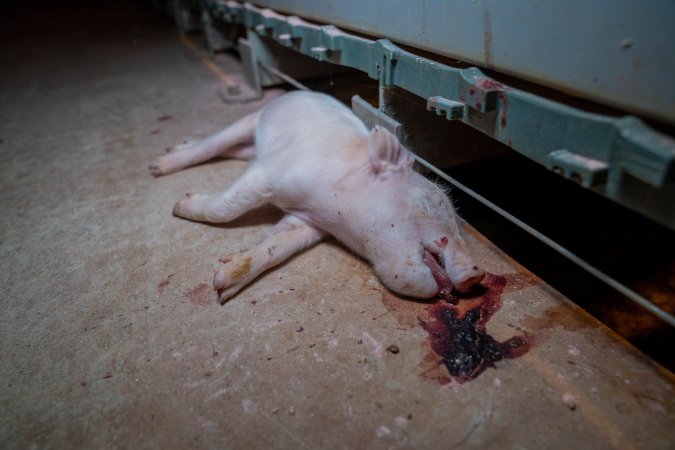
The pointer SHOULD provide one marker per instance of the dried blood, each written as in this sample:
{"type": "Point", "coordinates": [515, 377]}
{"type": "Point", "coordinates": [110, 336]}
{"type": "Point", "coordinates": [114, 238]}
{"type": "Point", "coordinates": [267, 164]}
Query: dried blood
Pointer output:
{"type": "Point", "coordinates": [458, 335]}
{"type": "Point", "coordinates": [489, 84]}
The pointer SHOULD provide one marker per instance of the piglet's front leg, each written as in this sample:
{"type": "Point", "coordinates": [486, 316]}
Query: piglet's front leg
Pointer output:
{"type": "Point", "coordinates": [287, 238]}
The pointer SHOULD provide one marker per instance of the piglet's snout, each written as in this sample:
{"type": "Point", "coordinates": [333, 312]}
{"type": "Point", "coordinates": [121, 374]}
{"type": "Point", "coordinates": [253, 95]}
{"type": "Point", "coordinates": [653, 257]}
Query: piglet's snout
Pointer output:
{"type": "Point", "coordinates": [464, 277]}
{"type": "Point", "coordinates": [459, 276]}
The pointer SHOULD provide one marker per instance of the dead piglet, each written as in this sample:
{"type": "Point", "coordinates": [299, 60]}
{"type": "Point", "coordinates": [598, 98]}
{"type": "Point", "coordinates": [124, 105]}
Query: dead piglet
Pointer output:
{"type": "Point", "coordinates": [315, 160]}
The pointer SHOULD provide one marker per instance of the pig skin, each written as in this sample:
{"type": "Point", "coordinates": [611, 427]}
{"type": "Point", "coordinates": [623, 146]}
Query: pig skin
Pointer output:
{"type": "Point", "coordinates": [315, 160]}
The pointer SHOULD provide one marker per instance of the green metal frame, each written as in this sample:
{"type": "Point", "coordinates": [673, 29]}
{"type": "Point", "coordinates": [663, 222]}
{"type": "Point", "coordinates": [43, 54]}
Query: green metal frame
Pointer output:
{"type": "Point", "coordinates": [621, 158]}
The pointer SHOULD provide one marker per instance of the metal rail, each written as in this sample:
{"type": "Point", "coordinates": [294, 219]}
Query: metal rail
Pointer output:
{"type": "Point", "coordinates": [618, 157]}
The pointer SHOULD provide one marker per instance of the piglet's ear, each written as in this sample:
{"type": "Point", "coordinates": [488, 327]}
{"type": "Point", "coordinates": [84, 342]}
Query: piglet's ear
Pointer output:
{"type": "Point", "coordinates": [386, 153]}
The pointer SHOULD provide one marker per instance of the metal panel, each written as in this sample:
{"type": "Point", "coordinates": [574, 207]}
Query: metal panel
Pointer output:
{"type": "Point", "coordinates": [620, 158]}
{"type": "Point", "coordinates": [620, 53]}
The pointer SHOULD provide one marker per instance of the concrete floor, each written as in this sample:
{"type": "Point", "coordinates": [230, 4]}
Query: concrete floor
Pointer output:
{"type": "Point", "coordinates": [110, 333]}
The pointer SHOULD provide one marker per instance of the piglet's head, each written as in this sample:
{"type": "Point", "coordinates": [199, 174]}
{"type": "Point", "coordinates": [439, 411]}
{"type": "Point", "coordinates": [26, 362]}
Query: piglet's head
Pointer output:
{"type": "Point", "coordinates": [419, 250]}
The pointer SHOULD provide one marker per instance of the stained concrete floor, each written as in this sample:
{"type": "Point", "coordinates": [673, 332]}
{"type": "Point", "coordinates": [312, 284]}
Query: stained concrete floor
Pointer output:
{"type": "Point", "coordinates": [111, 336]}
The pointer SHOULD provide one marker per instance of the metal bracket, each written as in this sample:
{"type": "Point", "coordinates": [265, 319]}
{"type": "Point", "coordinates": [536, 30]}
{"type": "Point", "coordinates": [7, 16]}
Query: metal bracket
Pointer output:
{"type": "Point", "coordinates": [373, 117]}
{"type": "Point", "coordinates": [215, 37]}
{"type": "Point", "coordinates": [580, 169]}
{"type": "Point", "coordinates": [251, 88]}
{"type": "Point", "coordinates": [451, 109]}
{"type": "Point", "coordinates": [185, 16]}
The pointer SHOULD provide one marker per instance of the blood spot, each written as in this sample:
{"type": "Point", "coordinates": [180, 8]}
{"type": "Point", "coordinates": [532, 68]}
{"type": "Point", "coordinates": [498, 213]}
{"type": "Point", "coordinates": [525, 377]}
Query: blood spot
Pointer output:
{"type": "Point", "coordinates": [489, 84]}
{"type": "Point", "coordinates": [161, 286]}
{"type": "Point", "coordinates": [200, 295]}
{"type": "Point", "coordinates": [458, 336]}
{"type": "Point", "coordinates": [505, 109]}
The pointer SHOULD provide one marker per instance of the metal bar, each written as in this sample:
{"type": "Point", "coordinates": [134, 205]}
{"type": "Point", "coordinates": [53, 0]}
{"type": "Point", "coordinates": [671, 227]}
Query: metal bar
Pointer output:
{"type": "Point", "coordinates": [293, 82]}
{"type": "Point", "coordinates": [616, 285]}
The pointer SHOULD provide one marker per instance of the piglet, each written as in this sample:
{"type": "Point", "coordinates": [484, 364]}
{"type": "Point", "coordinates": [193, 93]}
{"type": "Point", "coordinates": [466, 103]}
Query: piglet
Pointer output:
{"type": "Point", "coordinates": [316, 161]}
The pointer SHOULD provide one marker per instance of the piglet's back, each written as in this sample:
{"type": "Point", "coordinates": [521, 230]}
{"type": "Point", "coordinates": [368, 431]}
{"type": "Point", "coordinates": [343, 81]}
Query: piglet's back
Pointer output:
{"type": "Point", "coordinates": [309, 124]}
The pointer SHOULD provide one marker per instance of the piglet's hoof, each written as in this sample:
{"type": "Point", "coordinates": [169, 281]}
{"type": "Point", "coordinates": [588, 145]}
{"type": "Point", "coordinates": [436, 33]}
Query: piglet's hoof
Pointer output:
{"type": "Point", "coordinates": [189, 207]}
{"type": "Point", "coordinates": [230, 277]}
{"type": "Point", "coordinates": [157, 169]}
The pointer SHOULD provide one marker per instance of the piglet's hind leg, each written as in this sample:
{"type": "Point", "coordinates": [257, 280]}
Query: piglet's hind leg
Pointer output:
{"type": "Point", "coordinates": [288, 237]}
{"type": "Point", "coordinates": [234, 141]}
